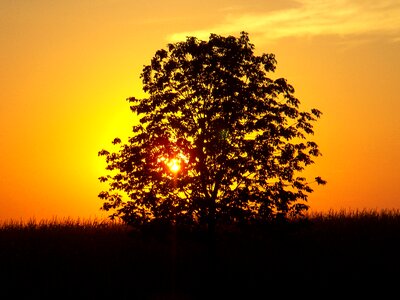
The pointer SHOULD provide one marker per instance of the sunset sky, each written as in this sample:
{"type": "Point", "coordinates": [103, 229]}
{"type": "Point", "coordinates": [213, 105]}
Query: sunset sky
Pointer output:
{"type": "Point", "coordinates": [67, 67]}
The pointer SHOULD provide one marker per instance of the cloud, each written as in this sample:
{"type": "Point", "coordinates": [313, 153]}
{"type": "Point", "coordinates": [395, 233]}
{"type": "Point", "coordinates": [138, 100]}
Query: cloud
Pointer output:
{"type": "Point", "coordinates": [309, 18]}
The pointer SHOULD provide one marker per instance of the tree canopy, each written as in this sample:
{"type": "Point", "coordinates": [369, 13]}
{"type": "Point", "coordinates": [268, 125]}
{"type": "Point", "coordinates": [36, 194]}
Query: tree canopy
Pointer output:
{"type": "Point", "coordinates": [218, 141]}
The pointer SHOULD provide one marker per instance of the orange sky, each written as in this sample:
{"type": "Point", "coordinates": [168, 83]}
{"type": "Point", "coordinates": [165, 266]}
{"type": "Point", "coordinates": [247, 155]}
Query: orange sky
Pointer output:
{"type": "Point", "coordinates": [66, 68]}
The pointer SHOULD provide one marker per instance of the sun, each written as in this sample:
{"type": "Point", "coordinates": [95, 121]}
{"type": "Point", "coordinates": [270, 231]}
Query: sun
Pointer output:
{"type": "Point", "coordinates": [174, 165]}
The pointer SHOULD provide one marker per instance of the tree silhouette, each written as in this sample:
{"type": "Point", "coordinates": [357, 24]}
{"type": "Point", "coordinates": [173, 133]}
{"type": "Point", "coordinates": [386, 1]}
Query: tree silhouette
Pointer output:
{"type": "Point", "coordinates": [218, 140]}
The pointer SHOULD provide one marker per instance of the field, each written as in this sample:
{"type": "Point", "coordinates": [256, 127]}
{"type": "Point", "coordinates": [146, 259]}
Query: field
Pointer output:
{"type": "Point", "coordinates": [334, 254]}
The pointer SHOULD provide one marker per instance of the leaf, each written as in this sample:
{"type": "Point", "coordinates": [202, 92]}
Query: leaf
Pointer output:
{"type": "Point", "coordinates": [320, 181]}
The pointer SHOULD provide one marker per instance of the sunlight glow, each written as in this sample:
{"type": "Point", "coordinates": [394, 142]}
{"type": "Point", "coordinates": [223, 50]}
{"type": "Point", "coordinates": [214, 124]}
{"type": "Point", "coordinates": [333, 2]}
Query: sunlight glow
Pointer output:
{"type": "Point", "coordinates": [174, 165]}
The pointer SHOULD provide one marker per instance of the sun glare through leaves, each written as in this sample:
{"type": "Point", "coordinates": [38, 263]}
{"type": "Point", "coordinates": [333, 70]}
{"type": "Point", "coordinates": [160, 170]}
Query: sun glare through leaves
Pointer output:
{"type": "Point", "coordinates": [175, 163]}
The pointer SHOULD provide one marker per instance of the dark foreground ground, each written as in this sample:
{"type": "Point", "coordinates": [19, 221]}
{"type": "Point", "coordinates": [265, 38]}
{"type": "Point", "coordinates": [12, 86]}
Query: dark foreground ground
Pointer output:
{"type": "Point", "coordinates": [331, 257]}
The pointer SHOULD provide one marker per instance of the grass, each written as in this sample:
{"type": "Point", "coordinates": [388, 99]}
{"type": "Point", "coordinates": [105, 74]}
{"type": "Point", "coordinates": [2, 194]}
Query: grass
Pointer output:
{"type": "Point", "coordinates": [57, 224]}
{"type": "Point", "coordinates": [334, 253]}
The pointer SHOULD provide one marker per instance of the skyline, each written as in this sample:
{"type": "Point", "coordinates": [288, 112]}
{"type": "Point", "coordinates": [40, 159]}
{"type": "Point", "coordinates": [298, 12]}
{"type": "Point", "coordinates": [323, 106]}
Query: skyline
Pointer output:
{"type": "Point", "coordinates": [66, 70]}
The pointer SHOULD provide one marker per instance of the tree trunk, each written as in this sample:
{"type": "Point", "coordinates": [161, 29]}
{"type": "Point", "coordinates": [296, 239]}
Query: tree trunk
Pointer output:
{"type": "Point", "coordinates": [211, 246]}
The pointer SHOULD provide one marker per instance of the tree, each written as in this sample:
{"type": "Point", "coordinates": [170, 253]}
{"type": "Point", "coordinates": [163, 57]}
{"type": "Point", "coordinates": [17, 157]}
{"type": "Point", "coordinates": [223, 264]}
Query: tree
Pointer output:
{"type": "Point", "coordinates": [218, 140]}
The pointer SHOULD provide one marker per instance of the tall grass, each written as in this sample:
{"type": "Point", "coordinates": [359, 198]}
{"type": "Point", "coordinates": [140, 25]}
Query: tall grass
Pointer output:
{"type": "Point", "coordinates": [101, 259]}
{"type": "Point", "coordinates": [355, 215]}
{"type": "Point", "coordinates": [385, 218]}
{"type": "Point", "coordinates": [333, 217]}
{"type": "Point", "coordinates": [67, 223]}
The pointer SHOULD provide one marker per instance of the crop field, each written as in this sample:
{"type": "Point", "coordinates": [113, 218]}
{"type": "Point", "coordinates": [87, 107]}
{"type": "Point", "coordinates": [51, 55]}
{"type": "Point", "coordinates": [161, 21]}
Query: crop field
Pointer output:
{"type": "Point", "coordinates": [332, 254]}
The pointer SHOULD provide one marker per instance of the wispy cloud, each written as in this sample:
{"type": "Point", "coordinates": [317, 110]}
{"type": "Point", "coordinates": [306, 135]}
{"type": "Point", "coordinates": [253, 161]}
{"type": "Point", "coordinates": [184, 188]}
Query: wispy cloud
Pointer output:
{"type": "Point", "coordinates": [310, 18]}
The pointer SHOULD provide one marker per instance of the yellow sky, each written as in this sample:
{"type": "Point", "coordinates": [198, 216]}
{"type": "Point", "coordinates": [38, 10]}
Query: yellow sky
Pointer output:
{"type": "Point", "coordinates": [66, 68]}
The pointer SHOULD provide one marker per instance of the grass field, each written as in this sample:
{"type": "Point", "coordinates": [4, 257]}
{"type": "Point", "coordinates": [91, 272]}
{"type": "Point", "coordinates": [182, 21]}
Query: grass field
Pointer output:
{"type": "Point", "coordinates": [333, 254]}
